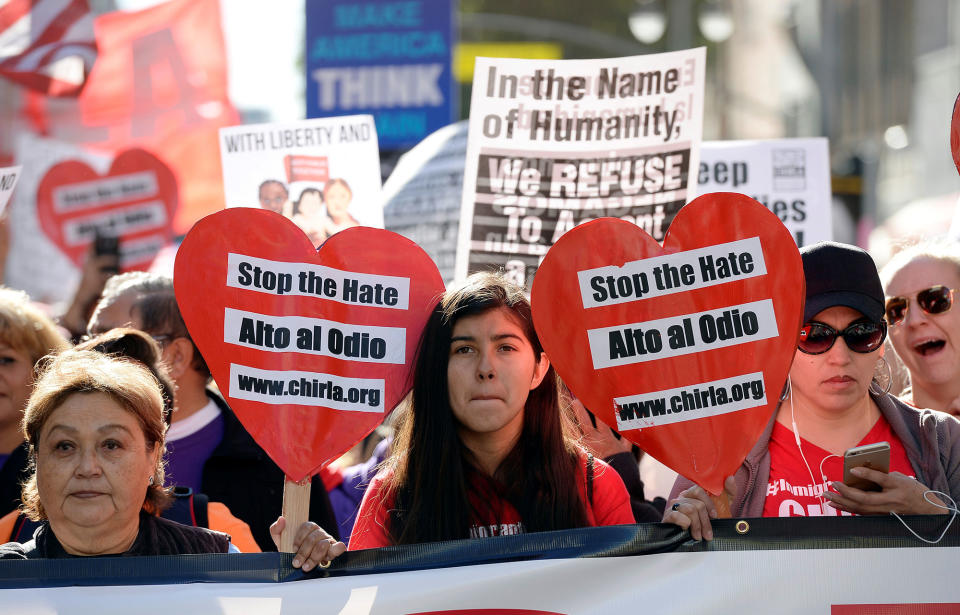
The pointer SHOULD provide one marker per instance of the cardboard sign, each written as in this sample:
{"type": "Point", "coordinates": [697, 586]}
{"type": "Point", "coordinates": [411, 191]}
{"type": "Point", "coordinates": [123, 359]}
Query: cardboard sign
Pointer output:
{"type": "Point", "coordinates": [135, 201]}
{"type": "Point", "coordinates": [684, 348]}
{"type": "Point", "coordinates": [312, 349]}
{"type": "Point", "coordinates": [324, 174]}
{"type": "Point", "coordinates": [554, 144]}
{"type": "Point", "coordinates": [8, 181]}
{"type": "Point", "coordinates": [791, 177]}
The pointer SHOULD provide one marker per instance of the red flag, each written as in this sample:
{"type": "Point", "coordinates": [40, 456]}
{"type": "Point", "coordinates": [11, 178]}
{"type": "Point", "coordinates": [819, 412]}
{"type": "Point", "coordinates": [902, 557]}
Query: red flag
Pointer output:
{"type": "Point", "coordinates": [160, 83]}
{"type": "Point", "coordinates": [47, 45]}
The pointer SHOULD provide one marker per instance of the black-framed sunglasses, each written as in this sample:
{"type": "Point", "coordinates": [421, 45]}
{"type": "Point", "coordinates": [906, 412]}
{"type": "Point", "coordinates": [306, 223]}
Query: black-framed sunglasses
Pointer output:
{"type": "Point", "coordinates": [862, 337]}
{"type": "Point", "coordinates": [934, 300]}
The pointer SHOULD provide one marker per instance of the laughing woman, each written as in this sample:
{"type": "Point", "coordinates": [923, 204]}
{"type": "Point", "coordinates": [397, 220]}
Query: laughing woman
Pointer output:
{"type": "Point", "coordinates": [835, 404]}
{"type": "Point", "coordinates": [921, 284]}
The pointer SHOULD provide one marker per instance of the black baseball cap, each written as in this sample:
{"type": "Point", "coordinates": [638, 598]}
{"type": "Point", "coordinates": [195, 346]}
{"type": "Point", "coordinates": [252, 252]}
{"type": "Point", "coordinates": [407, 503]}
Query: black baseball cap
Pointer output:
{"type": "Point", "coordinates": [841, 274]}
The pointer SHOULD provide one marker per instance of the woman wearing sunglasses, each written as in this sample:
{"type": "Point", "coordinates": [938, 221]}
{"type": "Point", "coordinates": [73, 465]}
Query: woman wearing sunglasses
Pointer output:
{"type": "Point", "coordinates": [921, 283]}
{"type": "Point", "coordinates": [833, 403]}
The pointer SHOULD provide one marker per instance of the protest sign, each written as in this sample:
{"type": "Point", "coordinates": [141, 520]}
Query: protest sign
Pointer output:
{"type": "Point", "coordinates": [8, 181]}
{"type": "Point", "coordinates": [323, 174]}
{"type": "Point", "coordinates": [554, 144]}
{"type": "Point", "coordinates": [35, 263]}
{"type": "Point", "coordinates": [134, 201]}
{"type": "Point", "coordinates": [421, 198]}
{"type": "Point", "coordinates": [683, 349]}
{"type": "Point", "coordinates": [387, 58]}
{"type": "Point", "coordinates": [791, 177]}
{"type": "Point", "coordinates": [955, 133]}
{"type": "Point", "coordinates": [310, 348]}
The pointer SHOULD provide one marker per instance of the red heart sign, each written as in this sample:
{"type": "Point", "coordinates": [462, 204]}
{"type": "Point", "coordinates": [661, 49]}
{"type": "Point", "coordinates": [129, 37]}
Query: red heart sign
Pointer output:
{"type": "Point", "coordinates": [312, 348]}
{"type": "Point", "coordinates": [683, 349]}
{"type": "Point", "coordinates": [955, 133]}
{"type": "Point", "coordinates": [134, 201]}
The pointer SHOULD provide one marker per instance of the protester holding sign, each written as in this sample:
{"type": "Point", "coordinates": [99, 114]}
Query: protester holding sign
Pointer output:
{"type": "Point", "coordinates": [925, 331]}
{"type": "Point", "coordinates": [26, 335]}
{"type": "Point", "coordinates": [832, 404]}
{"type": "Point", "coordinates": [485, 451]}
{"type": "Point", "coordinates": [96, 433]}
{"type": "Point", "coordinates": [209, 450]}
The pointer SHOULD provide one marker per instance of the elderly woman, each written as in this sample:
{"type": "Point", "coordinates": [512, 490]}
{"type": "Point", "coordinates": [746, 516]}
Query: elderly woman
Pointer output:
{"type": "Point", "coordinates": [95, 428]}
{"type": "Point", "coordinates": [26, 335]}
{"type": "Point", "coordinates": [834, 404]}
{"type": "Point", "coordinates": [920, 284]}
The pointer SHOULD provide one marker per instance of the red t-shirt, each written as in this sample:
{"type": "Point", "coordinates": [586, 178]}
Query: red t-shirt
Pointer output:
{"type": "Point", "coordinates": [789, 491]}
{"type": "Point", "coordinates": [610, 506]}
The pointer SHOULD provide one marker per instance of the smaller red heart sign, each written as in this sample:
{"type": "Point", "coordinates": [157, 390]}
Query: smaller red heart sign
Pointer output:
{"type": "Point", "coordinates": [955, 133]}
{"type": "Point", "coordinates": [312, 348]}
{"type": "Point", "coordinates": [134, 201]}
{"type": "Point", "coordinates": [682, 348]}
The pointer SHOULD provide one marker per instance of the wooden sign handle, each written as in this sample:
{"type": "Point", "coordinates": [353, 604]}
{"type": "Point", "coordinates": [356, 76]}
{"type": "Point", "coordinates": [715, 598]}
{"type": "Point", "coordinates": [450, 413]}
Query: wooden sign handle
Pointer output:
{"type": "Point", "coordinates": [296, 510]}
{"type": "Point", "coordinates": [722, 504]}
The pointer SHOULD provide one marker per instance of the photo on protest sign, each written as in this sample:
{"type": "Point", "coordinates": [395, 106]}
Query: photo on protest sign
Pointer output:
{"type": "Point", "coordinates": [8, 181]}
{"type": "Point", "coordinates": [791, 177]}
{"type": "Point", "coordinates": [555, 144]}
{"type": "Point", "coordinates": [324, 174]}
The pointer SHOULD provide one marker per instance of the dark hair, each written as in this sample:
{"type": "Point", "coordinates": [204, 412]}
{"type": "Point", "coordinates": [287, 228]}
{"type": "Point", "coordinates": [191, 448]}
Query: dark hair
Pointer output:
{"type": "Point", "coordinates": [430, 465]}
{"type": "Point", "coordinates": [306, 191]}
{"type": "Point", "coordinates": [272, 181]}
{"type": "Point", "coordinates": [133, 344]}
{"type": "Point", "coordinates": [156, 305]}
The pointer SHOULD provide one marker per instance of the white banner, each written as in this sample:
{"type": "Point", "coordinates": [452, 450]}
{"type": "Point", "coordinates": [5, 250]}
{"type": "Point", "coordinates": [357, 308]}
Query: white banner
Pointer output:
{"type": "Point", "coordinates": [791, 177]}
{"type": "Point", "coordinates": [839, 581]}
{"type": "Point", "coordinates": [553, 144]}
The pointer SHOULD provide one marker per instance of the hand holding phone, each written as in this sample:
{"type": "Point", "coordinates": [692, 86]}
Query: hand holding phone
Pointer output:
{"type": "Point", "coordinates": [875, 456]}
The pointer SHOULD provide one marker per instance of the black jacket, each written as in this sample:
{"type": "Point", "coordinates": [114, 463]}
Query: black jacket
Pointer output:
{"type": "Point", "coordinates": [243, 477]}
{"type": "Point", "coordinates": [156, 537]}
{"type": "Point", "coordinates": [14, 472]}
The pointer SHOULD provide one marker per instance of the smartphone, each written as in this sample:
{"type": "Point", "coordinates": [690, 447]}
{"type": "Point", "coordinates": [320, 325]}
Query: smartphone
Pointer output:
{"type": "Point", "coordinates": [875, 456]}
{"type": "Point", "coordinates": [108, 245]}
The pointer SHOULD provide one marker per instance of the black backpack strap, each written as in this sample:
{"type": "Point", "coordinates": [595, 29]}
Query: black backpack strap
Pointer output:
{"type": "Point", "coordinates": [23, 529]}
{"type": "Point", "coordinates": [181, 510]}
{"type": "Point", "coordinates": [200, 513]}
{"type": "Point", "coordinates": [590, 478]}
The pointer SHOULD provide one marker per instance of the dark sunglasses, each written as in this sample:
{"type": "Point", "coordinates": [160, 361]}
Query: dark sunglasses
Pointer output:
{"type": "Point", "coordinates": [863, 337]}
{"type": "Point", "coordinates": [934, 300]}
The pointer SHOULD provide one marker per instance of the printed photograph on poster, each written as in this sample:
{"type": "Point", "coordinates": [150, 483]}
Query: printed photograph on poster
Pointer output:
{"type": "Point", "coordinates": [553, 144]}
{"type": "Point", "coordinates": [323, 174]}
{"type": "Point", "coordinates": [8, 181]}
{"type": "Point", "coordinates": [791, 177]}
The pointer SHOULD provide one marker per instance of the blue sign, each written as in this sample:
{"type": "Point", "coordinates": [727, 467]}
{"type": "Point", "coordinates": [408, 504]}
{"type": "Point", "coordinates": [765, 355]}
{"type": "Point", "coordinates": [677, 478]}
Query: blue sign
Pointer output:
{"type": "Point", "coordinates": [389, 58]}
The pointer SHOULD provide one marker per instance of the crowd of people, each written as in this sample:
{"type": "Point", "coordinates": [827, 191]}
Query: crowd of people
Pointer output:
{"type": "Point", "coordinates": [115, 440]}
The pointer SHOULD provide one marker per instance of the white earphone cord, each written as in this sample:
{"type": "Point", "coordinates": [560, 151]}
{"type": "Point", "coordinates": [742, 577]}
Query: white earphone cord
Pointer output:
{"type": "Point", "coordinates": [952, 508]}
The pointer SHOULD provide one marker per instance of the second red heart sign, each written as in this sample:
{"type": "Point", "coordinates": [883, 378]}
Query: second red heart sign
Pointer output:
{"type": "Point", "coordinates": [683, 348]}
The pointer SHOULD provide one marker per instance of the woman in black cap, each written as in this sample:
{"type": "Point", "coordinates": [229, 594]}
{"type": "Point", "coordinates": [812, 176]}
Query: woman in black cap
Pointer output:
{"type": "Point", "coordinates": [832, 403]}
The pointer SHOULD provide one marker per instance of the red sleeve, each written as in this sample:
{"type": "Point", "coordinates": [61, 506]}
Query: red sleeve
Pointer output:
{"type": "Point", "coordinates": [611, 502]}
{"type": "Point", "coordinates": [370, 529]}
